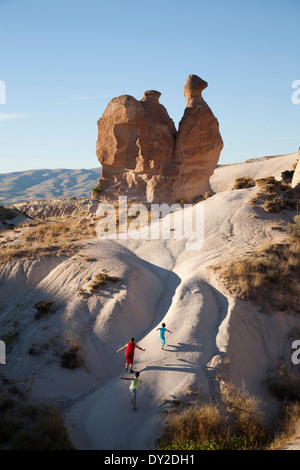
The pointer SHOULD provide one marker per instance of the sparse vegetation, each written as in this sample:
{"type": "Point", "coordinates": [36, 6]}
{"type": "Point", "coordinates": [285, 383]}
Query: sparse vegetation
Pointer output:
{"type": "Point", "coordinates": [288, 428]}
{"type": "Point", "coordinates": [287, 175]}
{"type": "Point", "coordinates": [237, 423]}
{"type": "Point", "coordinates": [293, 229]}
{"type": "Point", "coordinates": [100, 279]}
{"type": "Point", "coordinates": [82, 291]}
{"type": "Point", "coordinates": [268, 277]}
{"type": "Point", "coordinates": [97, 189]}
{"type": "Point", "coordinates": [274, 196]}
{"type": "Point", "coordinates": [59, 231]}
{"type": "Point", "coordinates": [52, 237]}
{"type": "Point", "coordinates": [27, 426]}
{"type": "Point", "coordinates": [181, 202]}
{"type": "Point", "coordinates": [71, 357]}
{"type": "Point", "coordinates": [43, 308]}
{"type": "Point", "coordinates": [206, 427]}
{"type": "Point", "coordinates": [243, 182]}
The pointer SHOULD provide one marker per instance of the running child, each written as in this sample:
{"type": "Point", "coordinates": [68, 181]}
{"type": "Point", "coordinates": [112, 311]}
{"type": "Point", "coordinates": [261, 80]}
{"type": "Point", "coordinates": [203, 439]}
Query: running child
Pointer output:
{"type": "Point", "coordinates": [133, 387]}
{"type": "Point", "coordinates": [161, 334]}
{"type": "Point", "coordinates": [129, 353]}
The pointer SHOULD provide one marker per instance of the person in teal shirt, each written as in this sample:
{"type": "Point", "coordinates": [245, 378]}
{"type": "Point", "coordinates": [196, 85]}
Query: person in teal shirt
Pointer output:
{"type": "Point", "coordinates": [161, 334]}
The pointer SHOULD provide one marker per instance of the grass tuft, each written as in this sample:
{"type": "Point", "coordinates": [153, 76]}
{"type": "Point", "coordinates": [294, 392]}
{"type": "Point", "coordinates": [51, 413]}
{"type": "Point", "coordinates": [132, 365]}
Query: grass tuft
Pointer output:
{"type": "Point", "coordinates": [243, 182]}
{"type": "Point", "coordinates": [71, 358]}
{"type": "Point", "coordinates": [100, 279]}
{"type": "Point", "coordinates": [43, 308]}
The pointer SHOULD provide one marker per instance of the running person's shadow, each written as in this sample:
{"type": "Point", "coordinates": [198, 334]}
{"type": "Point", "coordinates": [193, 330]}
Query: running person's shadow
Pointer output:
{"type": "Point", "coordinates": [183, 347]}
{"type": "Point", "coordinates": [187, 366]}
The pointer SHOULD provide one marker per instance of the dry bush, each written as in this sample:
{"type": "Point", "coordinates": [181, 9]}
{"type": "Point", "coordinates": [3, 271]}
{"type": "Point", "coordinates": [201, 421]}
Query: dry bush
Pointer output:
{"type": "Point", "coordinates": [201, 424]}
{"type": "Point", "coordinates": [274, 196]}
{"type": "Point", "coordinates": [288, 428]}
{"type": "Point", "coordinates": [244, 411]}
{"type": "Point", "coordinates": [243, 182]}
{"type": "Point", "coordinates": [235, 425]}
{"type": "Point", "coordinates": [268, 277]}
{"type": "Point", "coordinates": [43, 307]}
{"type": "Point", "coordinates": [287, 175]}
{"type": "Point", "coordinates": [100, 279]}
{"type": "Point", "coordinates": [293, 228]}
{"type": "Point", "coordinates": [81, 292]}
{"type": "Point", "coordinates": [269, 182]}
{"type": "Point", "coordinates": [71, 357]}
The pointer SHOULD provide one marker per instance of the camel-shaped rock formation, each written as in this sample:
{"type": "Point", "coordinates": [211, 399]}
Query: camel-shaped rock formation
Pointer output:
{"type": "Point", "coordinates": [145, 158]}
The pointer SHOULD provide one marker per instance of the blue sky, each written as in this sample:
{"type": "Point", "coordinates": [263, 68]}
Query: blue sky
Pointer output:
{"type": "Point", "coordinates": [63, 61]}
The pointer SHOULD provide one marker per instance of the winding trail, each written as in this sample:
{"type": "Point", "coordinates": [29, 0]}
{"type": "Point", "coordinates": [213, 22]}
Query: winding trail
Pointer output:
{"type": "Point", "coordinates": [193, 310]}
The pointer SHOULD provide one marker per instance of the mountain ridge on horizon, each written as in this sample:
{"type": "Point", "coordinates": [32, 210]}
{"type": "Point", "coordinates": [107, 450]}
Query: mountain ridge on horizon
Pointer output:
{"type": "Point", "coordinates": [46, 183]}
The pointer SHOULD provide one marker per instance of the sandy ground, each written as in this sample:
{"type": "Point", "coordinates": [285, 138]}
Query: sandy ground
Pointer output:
{"type": "Point", "coordinates": [160, 280]}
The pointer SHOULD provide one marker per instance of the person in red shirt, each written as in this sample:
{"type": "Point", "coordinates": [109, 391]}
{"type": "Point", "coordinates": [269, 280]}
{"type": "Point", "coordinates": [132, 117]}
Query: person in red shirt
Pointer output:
{"type": "Point", "coordinates": [129, 353]}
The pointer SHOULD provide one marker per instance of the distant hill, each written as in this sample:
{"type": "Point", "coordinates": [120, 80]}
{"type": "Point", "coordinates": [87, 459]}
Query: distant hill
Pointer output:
{"type": "Point", "coordinates": [44, 184]}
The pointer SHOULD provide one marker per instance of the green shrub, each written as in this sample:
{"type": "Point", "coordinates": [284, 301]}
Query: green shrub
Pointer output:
{"type": "Point", "coordinates": [192, 445]}
{"type": "Point", "coordinates": [97, 189]}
